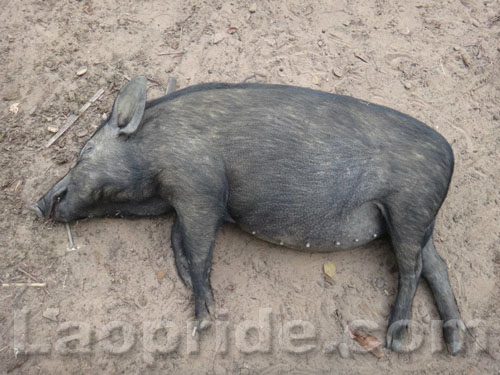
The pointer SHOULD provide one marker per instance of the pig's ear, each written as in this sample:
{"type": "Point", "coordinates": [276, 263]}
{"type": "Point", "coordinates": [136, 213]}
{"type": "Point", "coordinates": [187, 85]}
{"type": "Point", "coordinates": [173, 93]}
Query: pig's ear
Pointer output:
{"type": "Point", "coordinates": [129, 106]}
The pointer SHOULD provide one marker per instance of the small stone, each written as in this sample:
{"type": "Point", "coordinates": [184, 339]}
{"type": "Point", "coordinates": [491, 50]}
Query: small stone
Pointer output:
{"type": "Point", "coordinates": [104, 116]}
{"type": "Point", "coordinates": [141, 301]}
{"type": "Point", "coordinates": [81, 71]}
{"type": "Point", "coordinates": [60, 251]}
{"type": "Point", "coordinates": [466, 59]}
{"type": "Point", "coordinates": [380, 282]}
{"type": "Point", "coordinates": [315, 80]}
{"type": "Point", "coordinates": [343, 350]}
{"type": "Point", "coordinates": [321, 43]}
{"type": "Point", "coordinates": [422, 309]}
{"type": "Point", "coordinates": [82, 133]}
{"type": "Point", "coordinates": [51, 314]}
{"type": "Point", "coordinates": [219, 370]}
{"type": "Point", "coordinates": [407, 85]}
{"type": "Point", "coordinates": [336, 72]}
{"type": "Point", "coordinates": [160, 274]}
{"type": "Point", "coordinates": [218, 37]}
{"type": "Point", "coordinates": [52, 128]}
{"type": "Point", "coordinates": [463, 55]}
{"type": "Point", "coordinates": [405, 31]}
{"type": "Point", "coordinates": [33, 110]}
{"type": "Point", "coordinates": [483, 45]}
{"type": "Point", "coordinates": [252, 8]}
{"type": "Point", "coordinates": [296, 287]}
{"type": "Point", "coordinates": [330, 347]}
{"type": "Point", "coordinates": [74, 107]}
{"type": "Point", "coordinates": [14, 108]}
{"type": "Point", "coordinates": [475, 22]}
{"type": "Point", "coordinates": [426, 319]}
{"type": "Point", "coordinates": [258, 265]}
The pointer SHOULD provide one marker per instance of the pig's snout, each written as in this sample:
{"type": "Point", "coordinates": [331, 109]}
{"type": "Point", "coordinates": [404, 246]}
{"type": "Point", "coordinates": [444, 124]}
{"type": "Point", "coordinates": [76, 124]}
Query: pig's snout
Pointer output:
{"type": "Point", "coordinates": [37, 210]}
{"type": "Point", "coordinates": [46, 206]}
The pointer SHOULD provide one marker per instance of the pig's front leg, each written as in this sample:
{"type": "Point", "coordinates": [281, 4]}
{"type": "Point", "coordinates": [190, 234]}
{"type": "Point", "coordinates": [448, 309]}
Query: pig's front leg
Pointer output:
{"type": "Point", "coordinates": [197, 238]}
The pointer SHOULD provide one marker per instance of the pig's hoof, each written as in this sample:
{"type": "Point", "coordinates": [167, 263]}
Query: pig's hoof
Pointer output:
{"type": "Point", "coordinates": [206, 313]}
{"type": "Point", "coordinates": [452, 337]}
{"type": "Point", "coordinates": [203, 324]}
{"type": "Point", "coordinates": [396, 334]}
{"type": "Point", "coordinates": [454, 347]}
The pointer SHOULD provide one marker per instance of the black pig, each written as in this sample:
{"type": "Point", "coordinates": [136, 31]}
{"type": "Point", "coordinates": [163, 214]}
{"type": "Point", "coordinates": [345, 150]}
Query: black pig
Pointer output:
{"type": "Point", "coordinates": [293, 166]}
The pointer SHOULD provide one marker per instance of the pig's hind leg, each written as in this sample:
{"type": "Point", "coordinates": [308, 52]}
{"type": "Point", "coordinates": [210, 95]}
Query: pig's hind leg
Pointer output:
{"type": "Point", "coordinates": [407, 226]}
{"type": "Point", "coordinates": [410, 224]}
{"type": "Point", "coordinates": [181, 262]}
{"type": "Point", "coordinates": [435, 273]}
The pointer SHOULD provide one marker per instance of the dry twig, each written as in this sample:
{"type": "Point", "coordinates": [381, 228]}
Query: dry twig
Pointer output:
{"type": "Point", "coordinates": [71, 246]}
{"type": "Point", "coordinates": [34, 285]}
{"type": "Point", "coordinates": [72, 118]}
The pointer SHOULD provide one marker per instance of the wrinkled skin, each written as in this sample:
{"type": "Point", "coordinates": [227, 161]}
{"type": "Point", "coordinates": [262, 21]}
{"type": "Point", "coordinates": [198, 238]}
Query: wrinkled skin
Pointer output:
{"type": "Point", "coordinates": [292, 166]}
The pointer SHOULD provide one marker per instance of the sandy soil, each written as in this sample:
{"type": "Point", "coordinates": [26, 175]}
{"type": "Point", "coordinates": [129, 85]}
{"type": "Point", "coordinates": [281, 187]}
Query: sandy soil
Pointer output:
{"type": "Point", "coordinates": [437, 61]}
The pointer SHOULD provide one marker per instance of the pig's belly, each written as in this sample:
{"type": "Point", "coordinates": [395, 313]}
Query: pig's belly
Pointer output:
{"type": "Point", "coordinates": [313, 231]}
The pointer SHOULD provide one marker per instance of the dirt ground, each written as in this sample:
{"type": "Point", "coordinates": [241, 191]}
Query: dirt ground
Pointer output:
{"type": "Point", "coordinates": [437, 61]}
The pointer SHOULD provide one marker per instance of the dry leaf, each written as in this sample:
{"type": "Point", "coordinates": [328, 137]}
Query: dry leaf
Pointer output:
{"type": "Point", "coordinates": [17, 186]}
{"type": "Point", "coordinates": [53, 129]}
{"type": "Point", "coordinates": [369, 342]}
{"type": "Point", "coordinates": [329, 268]}
{"type": "Point", "coordinates": [160, 274]}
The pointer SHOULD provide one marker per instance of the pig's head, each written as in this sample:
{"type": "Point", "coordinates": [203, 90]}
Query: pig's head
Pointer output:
{"type": "Point", "coordinates": [112, 175]}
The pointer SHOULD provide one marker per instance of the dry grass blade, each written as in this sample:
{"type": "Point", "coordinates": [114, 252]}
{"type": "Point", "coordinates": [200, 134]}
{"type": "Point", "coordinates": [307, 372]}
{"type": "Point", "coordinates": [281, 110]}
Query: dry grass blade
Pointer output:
{"type": "Point", "coordinates": [34, 285]}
